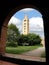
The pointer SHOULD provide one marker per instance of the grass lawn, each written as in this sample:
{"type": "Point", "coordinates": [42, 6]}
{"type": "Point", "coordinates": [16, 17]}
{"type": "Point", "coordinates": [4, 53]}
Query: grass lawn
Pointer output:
{"type": "Point", "coordinates": [20, 49]}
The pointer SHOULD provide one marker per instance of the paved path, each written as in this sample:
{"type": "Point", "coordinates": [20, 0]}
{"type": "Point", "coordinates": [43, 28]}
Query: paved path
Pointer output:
{"type": "Point", "coordinates": [37, 52]}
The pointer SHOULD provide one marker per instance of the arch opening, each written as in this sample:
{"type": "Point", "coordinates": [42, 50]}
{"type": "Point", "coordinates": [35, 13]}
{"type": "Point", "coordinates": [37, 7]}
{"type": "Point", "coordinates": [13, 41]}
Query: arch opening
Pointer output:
{"type": "Point", "coordinates": [4, 29]}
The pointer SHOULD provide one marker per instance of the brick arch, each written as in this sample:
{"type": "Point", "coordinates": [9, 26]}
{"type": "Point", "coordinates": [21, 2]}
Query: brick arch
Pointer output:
{"type": "Point", "coordinates": [4, 26]}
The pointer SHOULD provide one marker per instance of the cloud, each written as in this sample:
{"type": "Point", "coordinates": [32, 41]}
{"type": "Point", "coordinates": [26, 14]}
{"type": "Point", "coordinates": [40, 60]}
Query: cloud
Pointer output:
{"type": "Point", "coordinates": [36, 24]}
{"type": "Point", "coordinates": [16, 21]}
{"type": "Point", "coordinates": [27, 9]}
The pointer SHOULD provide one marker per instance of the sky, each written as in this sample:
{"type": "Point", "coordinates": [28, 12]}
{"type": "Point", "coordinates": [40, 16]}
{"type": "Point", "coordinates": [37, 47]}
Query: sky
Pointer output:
{"type": "Point", "coordinates": [35, 20]}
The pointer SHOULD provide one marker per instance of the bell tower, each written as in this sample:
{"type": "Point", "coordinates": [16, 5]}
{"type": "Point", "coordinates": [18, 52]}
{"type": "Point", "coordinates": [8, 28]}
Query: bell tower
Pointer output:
{"type": "Point", "coordinates": [25, 25]}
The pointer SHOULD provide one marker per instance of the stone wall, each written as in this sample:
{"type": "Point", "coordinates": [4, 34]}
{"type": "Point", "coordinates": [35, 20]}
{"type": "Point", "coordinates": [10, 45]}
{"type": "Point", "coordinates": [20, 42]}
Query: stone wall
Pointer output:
{"type": "Point", "coordinates": [3, 40]}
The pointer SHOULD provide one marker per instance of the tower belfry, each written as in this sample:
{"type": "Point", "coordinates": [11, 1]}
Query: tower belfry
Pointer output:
{"type": "Point", "coordinates": [25, 25]}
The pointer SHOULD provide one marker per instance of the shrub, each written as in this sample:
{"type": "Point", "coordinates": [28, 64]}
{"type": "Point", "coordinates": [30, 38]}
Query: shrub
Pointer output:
{"type": "Point", "coordinates": [11, 44]}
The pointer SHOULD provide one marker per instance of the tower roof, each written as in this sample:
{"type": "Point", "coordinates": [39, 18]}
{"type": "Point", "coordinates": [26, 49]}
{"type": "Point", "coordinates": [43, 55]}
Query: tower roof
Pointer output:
{"type": "Point", "coordinates": [26, 17]}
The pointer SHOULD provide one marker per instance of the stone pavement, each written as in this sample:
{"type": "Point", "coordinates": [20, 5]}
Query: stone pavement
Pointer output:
{"type": "Point", "coordinates": [37, 52]}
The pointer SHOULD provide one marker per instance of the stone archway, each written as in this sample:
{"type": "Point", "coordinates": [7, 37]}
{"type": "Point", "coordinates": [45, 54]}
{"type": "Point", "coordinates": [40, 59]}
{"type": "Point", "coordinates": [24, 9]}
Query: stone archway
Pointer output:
{"type": "Point", "coordinates": [4, 27]}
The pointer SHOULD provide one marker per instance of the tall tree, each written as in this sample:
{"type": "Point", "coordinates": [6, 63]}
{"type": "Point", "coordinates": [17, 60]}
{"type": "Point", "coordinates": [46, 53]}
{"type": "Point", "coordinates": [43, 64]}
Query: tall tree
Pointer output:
{"type": "Point", "coordinates": [12, 33]}
{"type": "Point", "coordinates": [13, 27]}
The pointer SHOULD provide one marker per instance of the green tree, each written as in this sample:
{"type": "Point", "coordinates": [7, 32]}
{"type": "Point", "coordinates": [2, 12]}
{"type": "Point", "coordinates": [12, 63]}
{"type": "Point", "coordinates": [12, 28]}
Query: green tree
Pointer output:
{"type": "Point", "coordinates": [12, 33]}
{"type": "Point", "coordinates": [22, 39]}
{"type": "Point", "coordinates": [37, 40]}
{"type": "Point", "coordinates": [30, 39]}
{"type": "Point", "coordinates": [34, 39]}
{"type": "Point", "coordinates": [13, 28]}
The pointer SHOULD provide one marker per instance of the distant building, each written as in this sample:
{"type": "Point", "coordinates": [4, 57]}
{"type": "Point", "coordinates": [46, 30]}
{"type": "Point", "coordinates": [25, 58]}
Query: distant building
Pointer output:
{"type": "Point", "coordinates": [43, 42]}
{"type": "Point", "coordinates": [25, 25]}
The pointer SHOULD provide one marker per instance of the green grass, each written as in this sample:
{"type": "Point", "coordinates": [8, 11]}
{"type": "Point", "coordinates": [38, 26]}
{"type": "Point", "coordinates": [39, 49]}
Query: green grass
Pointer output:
{"type": "Point", "coordinates": [20, 49]}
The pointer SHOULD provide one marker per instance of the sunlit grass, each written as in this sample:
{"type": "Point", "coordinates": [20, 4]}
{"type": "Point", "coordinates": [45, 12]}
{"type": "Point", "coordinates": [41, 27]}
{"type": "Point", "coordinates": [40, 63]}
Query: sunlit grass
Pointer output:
{"type": "Point", "coordinates": [20, 49]}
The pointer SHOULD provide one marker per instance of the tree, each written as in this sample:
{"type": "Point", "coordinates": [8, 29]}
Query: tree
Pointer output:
{"type": "Point", "coordinates": [12, 33]}
{"type": "Point", "coordinates": [30, 39]}
{"type": "Point", "coordinates": [34, 39]}
{"type": "Point", "coordinates": [13, 28]}
{"type": "Point", "coordinates": [37, 40]}
{"type": "Point", "coordinates": [22, 39]}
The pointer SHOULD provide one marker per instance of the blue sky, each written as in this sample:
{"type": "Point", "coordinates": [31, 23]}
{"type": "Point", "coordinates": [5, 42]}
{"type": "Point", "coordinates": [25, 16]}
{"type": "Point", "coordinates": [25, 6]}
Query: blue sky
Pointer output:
{"type": "Point", "coordinates": [35, 20]}
{"type": "Point", "coordinates": [31, 13]}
